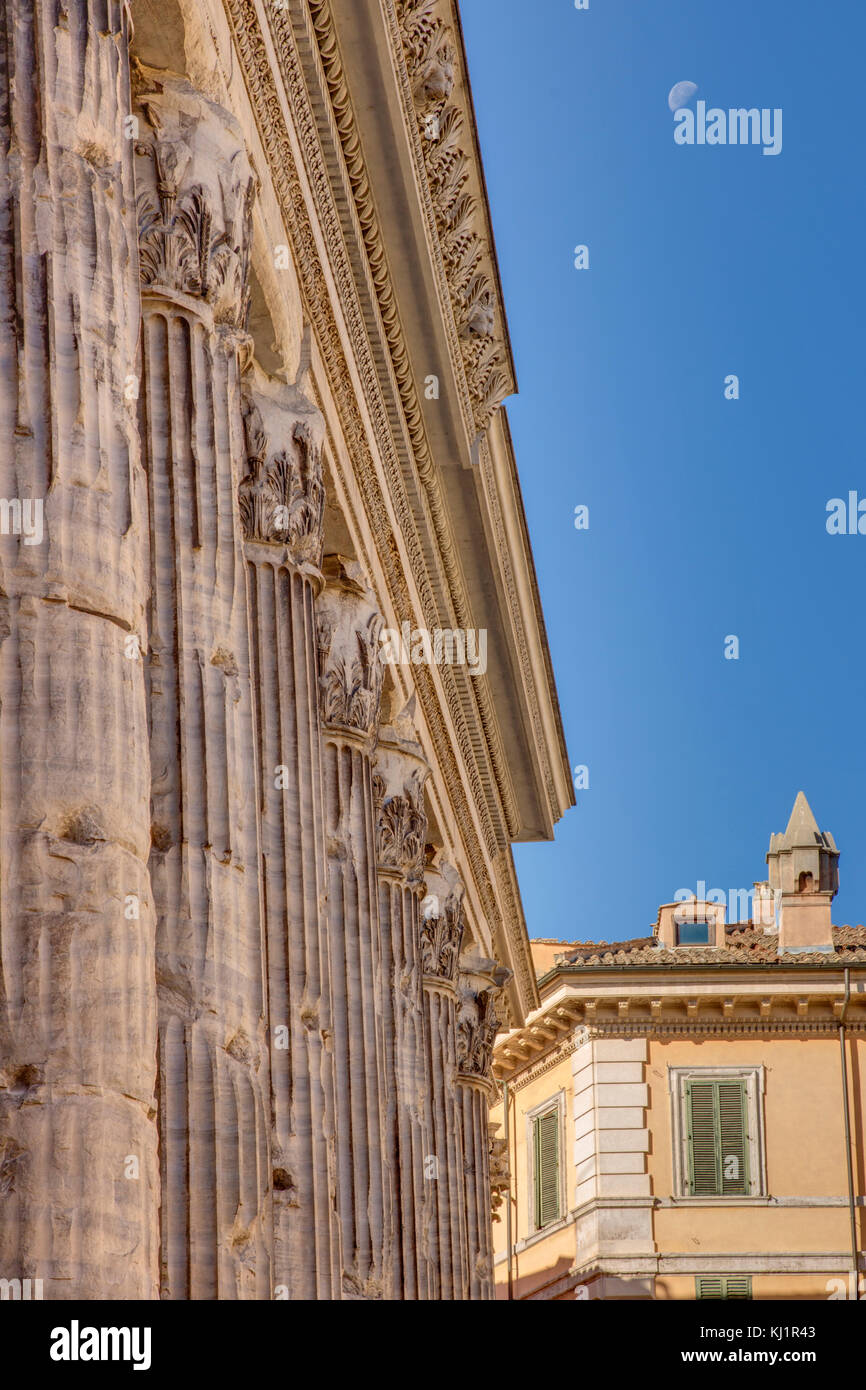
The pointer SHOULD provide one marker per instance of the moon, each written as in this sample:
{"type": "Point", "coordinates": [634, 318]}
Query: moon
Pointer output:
{"type": "Point", "coordinates": [681, 94]}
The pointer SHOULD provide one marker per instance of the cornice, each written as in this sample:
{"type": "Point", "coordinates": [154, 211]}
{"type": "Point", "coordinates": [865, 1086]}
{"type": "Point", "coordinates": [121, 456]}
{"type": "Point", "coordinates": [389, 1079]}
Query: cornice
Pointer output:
{"type": "Point", "coordinates": [492, 494]}
{"type": "Point", "coordinates": [414, 140]}
{"type": "Point", "coordinates": [518, 1079]}
{"type": "Point", "coordinates": [632, 975]}
{"type": "Point", "coordinates": [466, 698]}
{"type": "Point", "coordinates": [431, 71]}
{"type": "Point", "coordinates": [471, 693]}
{"type": "Point", "coordinates": [553, 1031]}
{"type": "Point", "coordinates": [258, 75]}
{"type": "Point", "coordinates": [341, 103]}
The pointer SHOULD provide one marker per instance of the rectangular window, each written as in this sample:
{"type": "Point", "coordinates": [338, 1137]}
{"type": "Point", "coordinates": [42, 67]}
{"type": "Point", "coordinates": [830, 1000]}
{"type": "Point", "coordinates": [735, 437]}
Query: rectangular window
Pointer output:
{"type": "Point", "coordinates": [718, 1139]}
{"type": "Point", "coordinates": [693, 933]}
{"type": "Point", "coordinates": [717, 1129]}
{"type": "Point", "coordinates": [545, 1144]}
{"type": "Point", "coordinates": [731, 1286]}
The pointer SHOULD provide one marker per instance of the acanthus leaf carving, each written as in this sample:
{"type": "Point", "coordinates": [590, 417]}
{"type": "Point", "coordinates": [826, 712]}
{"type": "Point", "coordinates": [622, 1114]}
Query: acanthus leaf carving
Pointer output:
{"type": "Point", "coordinates": [401, 827]}
{"type": "Point", "coordinates": [432, 54]}
{"type": "Point", "coordinates": [347, 636]}
{"type": "Point", "coordinates": [442, 925]}
{"type": "Point", "coordinates": [282, 497]}
{"type": "Point", "coordinates": [351, 685]}
{"type": "Point", "coordinates": [195, 199]}
{"type": "Point", "coordinates": [500, 1172]}
{"type": "Point", "coordinates": [480, 985]}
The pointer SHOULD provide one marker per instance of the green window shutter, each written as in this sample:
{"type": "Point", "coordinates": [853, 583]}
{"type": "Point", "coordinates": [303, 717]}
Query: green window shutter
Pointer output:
{"type": "Point", "coordinates": [734, 1138]}
{"type": "Point", "coordinates": [733, 1286]}
{"type": "Point", "coordinates": [704, 1171]}
{"type": "Point", "coordinates": [738, 1288]}
{"type": "Point", "coordinates": [546, 1145]}
{"type": "Point", "coordinates": [718, 1139]}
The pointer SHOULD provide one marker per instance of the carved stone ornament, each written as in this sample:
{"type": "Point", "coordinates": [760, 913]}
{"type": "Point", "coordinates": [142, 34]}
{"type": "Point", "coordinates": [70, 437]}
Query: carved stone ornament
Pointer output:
{"type": "Point", "coordinates": [315, 268]}
{"type": "Point", "coordinates": [195, 194]}
{"type": "Point", "coordinates": [401, 826]}
{"type": "Point", "coordinates": [441, 924]}
{"type": "Point", "coordinates": [400, 772]}
{"type": "Point", "coordinates": [500, 1173]}
{"type": "Point", "coordinates": [480, 984]}
{"type": "Point", "coordinates": [282, 497]}
{"type": "Point", "coordinates": [430, 60]}
{"type": "Point", "coordinates": [351, 671]}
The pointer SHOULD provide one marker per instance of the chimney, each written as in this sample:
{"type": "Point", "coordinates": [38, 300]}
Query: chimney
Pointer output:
{"type": "Point", "coordinates": [803, 871]}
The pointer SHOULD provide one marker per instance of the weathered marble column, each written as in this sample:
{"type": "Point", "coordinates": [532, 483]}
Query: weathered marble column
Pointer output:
{"type": "Point", "coordinates": [282, 505]}
{"type": "Point", "coordinates": [350, 685]}
{"type": "Point", "coordinates": [398, 793]}
{"type": "Point", "coordinates": [195, 191]}
{"type": "Point", "coordinates": [479, 985]}
{"type": "Point", "coordinates": [441, 933]}
{"type": "Point", "coordinates": [79, 1196]}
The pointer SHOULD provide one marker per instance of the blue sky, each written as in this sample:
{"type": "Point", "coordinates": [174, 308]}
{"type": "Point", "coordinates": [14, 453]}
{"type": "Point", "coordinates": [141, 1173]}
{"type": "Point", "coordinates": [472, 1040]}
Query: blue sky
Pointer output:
{"type": "Point", "coordinates": [707, 516]}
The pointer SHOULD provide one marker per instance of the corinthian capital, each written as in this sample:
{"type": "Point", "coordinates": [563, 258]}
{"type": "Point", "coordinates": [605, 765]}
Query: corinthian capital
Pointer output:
{"type": "Point", "coordinates": [480, 983]}
{"type": "Point", "coordinates": [500, 1171]}
{"type": "Point", "coordinates": [399, 774]}
{"type": "Point", "coordinates": [282, 497]}
{"type": "Point", "coordinates": [195, 195]}
{"type": "Point", "coordinates": [441, 924]}
{"type": "Point", "coordinates": [348, 625]}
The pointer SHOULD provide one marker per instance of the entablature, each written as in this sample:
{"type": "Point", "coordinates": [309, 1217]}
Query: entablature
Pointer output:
{"type": "Point", "coordinates": [735, 1006]}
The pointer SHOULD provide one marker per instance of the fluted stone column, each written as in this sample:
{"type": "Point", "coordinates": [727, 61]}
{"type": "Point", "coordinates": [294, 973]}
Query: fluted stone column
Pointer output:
{"type": "Point", "coordinates": [282, 507]}
{"type": "Point", "coordinates": [441, 933]}
{"type": "Point", "coordinates": [79, 1193]}
{"type": "Point", "coordinates": [350, 685]}
{"type": "Point", "coordinates": [398, 792]}
{"type": "Point", "coordinates": [479, 985]}
{"type": "Point", "coordinates": [195, 191]}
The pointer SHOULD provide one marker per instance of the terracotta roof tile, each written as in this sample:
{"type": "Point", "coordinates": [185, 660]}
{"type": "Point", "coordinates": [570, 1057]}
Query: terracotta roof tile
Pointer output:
{"type": "Point", "coordinates": [746, 944]}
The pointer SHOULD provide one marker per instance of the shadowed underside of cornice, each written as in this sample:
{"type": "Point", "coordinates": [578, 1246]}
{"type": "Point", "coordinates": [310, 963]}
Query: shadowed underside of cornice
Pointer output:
{"type": "Point", "coordinates": [776, 1003]}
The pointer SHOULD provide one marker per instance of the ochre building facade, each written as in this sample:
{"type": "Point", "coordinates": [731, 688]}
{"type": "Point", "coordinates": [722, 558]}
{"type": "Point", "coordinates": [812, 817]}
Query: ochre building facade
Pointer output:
{"type": "Point", "coordinates": [685, 1110]}
{"type": "Point", "coordinates": [259, 921]}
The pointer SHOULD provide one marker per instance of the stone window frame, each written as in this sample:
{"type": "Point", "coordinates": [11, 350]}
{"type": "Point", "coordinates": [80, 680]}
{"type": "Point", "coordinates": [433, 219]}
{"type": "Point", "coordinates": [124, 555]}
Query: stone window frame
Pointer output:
{"type": "Point", "coordinates": [555, 1102]}
{"type": "Point", "coordinates": [755, 1080]}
